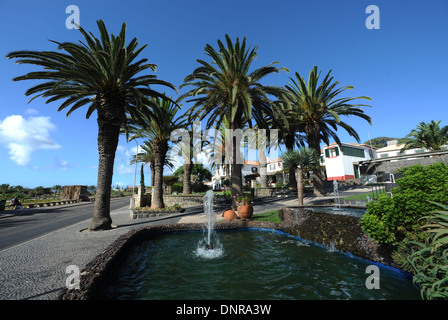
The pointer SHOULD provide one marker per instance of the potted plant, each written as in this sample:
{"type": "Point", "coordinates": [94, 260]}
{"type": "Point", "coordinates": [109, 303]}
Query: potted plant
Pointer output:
{"type": "Point", "coordinates": [244, 205]}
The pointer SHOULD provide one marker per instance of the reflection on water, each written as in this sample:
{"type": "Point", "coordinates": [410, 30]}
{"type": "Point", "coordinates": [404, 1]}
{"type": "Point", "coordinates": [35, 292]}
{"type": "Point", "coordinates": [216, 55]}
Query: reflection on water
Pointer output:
{"type": "Point", "coordinates": [249, 265]}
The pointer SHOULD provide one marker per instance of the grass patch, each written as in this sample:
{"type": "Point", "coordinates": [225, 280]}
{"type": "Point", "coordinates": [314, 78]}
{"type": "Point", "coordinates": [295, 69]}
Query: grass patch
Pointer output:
{"type": "Point", "coordinates": [271, 216]}
{"type": "Point", "coordinates": [363, 196]}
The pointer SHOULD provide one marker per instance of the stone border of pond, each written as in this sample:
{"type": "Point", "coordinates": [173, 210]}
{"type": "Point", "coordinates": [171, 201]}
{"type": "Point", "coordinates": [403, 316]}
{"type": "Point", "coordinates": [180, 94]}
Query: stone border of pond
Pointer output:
{"type": "Point", "coordinates": [341, 232]}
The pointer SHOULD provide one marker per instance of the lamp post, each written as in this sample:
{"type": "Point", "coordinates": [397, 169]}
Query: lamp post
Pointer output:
{"type": "Point", "coordinates": [135, 170]}
{"type": "Point", "coordinates": [135, 174]}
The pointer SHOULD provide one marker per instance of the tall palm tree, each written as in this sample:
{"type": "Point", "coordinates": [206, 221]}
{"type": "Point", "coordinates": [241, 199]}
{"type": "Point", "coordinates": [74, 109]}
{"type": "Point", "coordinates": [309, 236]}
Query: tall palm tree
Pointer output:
{"type": "Point", "coordinates": [105, 75]}
{"type": "Point", "coordinates": [300, 161]}
{"type": "Point", "coordinates": [225, 88]}
{"type": "Point", "coordinates": [190, 148]}
{"type": "Point", "coordinates": [319, 109]}
{"type": "Point", "coordinates": [219, 146]}
{"type": "Point", "coordinates": [429, 136]}
{"type": "Point", "coordinates": [157, 128]}
{"type": "Point", "coordinates": [290, 132]}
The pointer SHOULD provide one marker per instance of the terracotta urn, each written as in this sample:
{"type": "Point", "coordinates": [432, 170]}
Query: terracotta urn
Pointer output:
{"type": "Point", "coordinates": [245, 211]}
{"type": "Point", "coordinates": [229, 215]}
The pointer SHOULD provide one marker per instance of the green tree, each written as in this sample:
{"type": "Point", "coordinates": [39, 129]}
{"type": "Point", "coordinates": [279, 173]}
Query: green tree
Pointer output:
{"type": "Point", "coordinates": [91, 189]}
{"type": "Point", "coordinates": [198, 170]}
{"type": "Point", "coordinates": [38, 191]}
{"type": "Point", "coordinates": [300, 161]}
{"type": "Point", "coordinates": [57, 189]}
{"type": "Point", "coordinates": [105, 75]}
{"type": "Point", "coordinates": [318, 107]}
{"type": "Point", "coordinates": [142, 178]}
{"type": "Point", "coordinates": [4, 187]}
{"type": "Point", "coordinates": [157, 129]}
{"type": "Point", "coordinates": [429, 136]}
{"type": "Point", "coordinates": [290, 134]}
{"type": "Point", "coordinates": [226, 89]}
{"type": "Point", "coordinates": [379, 142]}
{"type": "Point", "coordinates": [189, 149]}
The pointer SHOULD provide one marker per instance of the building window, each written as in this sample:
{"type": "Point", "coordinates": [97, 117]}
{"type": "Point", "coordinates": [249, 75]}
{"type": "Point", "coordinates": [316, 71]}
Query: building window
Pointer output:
{"type": "Point", "coordinates": [354, 152]}
{"type": "Point", "coordinates": [332, 152]}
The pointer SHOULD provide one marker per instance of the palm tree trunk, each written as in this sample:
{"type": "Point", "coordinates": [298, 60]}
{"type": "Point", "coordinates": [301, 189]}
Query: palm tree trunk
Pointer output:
{"type": "Point", "coordinates": [292, 183]}
{"type": "Point", "coordinates": [313, 138]}
{"type": "Point", "coordinates": [263, 169]}
{"type": "Point", "coordinates": [188, 167]}
{"type": "Point", "coordinates": [300, 186]}
{"type": "Point", "coordinates": [236, 168]}
{"type": "Point", "coordinates": [108, 134]}
{"type": "Point", "coordinates": [151, 166]}
{"type": "Point", "coordinates": [160, 148]}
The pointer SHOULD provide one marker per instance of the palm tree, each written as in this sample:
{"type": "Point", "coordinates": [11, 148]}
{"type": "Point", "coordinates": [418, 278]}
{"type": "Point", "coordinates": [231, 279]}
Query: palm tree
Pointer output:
{"type": "Point", "coordinates": [104, 75]}
{"type": "Point", "coordinates": [190, 150]}
{"type": "Point", "coordinates": [300, 161]}
{"type": "Point", "coordinates": [146, 156]}
{"type": "Point", "coordinates": [290, 131]}
{"type": "Point", "coordinates": [318, 109]}
{"type": "Point", "coordinates": [157, 128]}
{"type": "Point", "coordinates": [218, 147]}
{"type": "Point", "coordinates": [225, 88]}
{"type": "Point", "coordinates": [429, 136]}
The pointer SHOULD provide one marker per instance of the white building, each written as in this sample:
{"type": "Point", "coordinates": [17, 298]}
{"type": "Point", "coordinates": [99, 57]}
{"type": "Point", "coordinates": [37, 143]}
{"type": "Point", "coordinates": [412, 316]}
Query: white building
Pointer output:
{"type": "Point", "coordinates": [341, 164]}
{"type": "Point", "coordinates": [393, 149]}
{"type": "Point", "coordinates": [274, 165]}
{"type": "Point", "coordinates": [219, 174]}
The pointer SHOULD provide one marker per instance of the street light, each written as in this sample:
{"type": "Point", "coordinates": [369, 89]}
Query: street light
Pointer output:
{"type": "Point", "coordinates": [135, 170]}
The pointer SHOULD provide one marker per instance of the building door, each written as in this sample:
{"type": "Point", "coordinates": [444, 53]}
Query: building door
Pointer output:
{"type": "Point", "coordinates": [356, 170]}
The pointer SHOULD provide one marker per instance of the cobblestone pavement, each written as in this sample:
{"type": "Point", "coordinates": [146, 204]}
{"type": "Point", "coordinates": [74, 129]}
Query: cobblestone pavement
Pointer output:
{"type": "Point", "coordinates": [36, 269]}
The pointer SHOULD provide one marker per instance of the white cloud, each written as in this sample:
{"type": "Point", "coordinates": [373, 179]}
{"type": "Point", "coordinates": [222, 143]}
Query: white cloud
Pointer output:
{"type": "Point", "coordinates": [124, 169]}
{"type": "Point", "coordinates": [32, 112]}
{"type": "Point", "coordinates": [23, 136]}
{"type": "Point", "coordinates": [123, 158]}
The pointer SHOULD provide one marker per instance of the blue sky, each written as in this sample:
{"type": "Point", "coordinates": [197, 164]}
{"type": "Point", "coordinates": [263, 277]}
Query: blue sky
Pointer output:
{"type": "Point", "coordinates": [402, 66]}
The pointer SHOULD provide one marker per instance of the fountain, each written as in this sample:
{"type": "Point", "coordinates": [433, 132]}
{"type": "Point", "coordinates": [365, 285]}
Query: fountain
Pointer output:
{"type": "Point", "coordinates": [176, 266]}
{"type": "Point", "coordinates": [258, 264]}
{"type": "Point", "coordinates": [337, 201]}
{"type": "Point", "coordinates": [211, 216]}
{"type": "Point", "coordinates": [209, 250]}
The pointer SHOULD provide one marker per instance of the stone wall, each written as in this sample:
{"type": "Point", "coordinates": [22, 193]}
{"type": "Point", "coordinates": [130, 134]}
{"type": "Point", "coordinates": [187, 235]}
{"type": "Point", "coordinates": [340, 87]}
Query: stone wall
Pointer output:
{"type": "Point", "coordinates": [263, 192]}
{"type": "Point", "coordinates": [170, 200]}
{"type": "Point", "coordinates": [74, 193]}
{"type": "Point", "coordinates": [184, 201]}
{"type": "Point", "coordinates": [391, 166]}
{"type": "Point", "coordinates": [341, 231]}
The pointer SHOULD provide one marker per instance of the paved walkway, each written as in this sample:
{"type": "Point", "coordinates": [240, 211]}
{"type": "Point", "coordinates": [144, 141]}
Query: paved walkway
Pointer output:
{"type": "Point", "coordinates": [36, 269]}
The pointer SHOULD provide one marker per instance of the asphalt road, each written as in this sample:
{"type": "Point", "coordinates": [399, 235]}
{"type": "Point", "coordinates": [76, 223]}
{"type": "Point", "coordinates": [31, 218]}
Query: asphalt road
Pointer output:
{"type": "Point", "coordinates": [33, 223]}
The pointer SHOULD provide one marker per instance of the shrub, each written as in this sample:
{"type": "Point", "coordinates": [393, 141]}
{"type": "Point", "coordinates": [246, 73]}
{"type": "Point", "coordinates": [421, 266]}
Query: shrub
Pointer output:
{"type": "Point", "coordinates": [390, 219]}
{"type": "Point", "coordinates": [177, 187]}
{"type": "Point", "coordinates": [199, 187]}
{"type": "Point", "coordinates": [428, 260]}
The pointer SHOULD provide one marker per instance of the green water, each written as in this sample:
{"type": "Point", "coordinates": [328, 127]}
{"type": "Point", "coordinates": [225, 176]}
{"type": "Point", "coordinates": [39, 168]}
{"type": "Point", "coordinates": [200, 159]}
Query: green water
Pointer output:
{"type": "Point", "coordinates": [251, 264]}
